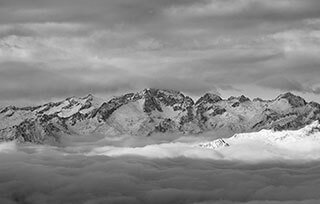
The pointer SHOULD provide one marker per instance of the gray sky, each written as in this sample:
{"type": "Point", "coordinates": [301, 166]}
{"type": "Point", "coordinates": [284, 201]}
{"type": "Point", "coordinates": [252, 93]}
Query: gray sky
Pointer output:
{"type": "Point", "coordinates": [55, 49]}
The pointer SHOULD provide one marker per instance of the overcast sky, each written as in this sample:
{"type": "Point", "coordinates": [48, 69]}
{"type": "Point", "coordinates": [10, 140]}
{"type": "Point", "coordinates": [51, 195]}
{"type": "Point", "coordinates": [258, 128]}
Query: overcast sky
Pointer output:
{"type": "Point", "coordinates": [52, 49]}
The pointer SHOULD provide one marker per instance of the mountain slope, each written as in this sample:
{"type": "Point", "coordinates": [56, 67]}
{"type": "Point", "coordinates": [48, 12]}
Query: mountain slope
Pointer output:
{"type": "Point", "coordinates": [240, 114]}
{"type": "Point", "coordinates": [154, 111]}
{"type": "Point", "coordinates": [297, 139]}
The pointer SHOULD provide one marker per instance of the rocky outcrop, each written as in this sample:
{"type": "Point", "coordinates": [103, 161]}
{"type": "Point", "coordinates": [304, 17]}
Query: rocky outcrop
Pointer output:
{"type": "Point", "coordinates": [293, 100]}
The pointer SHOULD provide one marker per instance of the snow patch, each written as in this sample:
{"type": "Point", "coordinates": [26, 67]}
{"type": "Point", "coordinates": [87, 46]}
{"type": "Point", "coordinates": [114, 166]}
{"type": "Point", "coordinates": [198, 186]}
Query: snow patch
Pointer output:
{"type": "Point", "coordinates": [296, 140]}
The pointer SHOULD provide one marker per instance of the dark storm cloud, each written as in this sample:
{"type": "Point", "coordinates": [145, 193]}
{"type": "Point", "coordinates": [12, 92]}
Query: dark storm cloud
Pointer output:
{"type": "Point", "coordinates": [193, 46]}
{"type": "Point", "coordinates": [141, 11]}
{"type": "Point", "coordinates": [283, 84]}
{"type": "Point", "coordinates": [245, 18]}
{"type": "Point", "coordinates": [96, 11]}
{"type": "Point", "coordinates": [31, 82]}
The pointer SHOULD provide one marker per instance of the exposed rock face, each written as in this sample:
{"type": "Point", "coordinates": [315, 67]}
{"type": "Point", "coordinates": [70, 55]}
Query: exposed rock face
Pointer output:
{"type": "Point", "coordinates": [215, 144]}
{"type": "Point", "coordinates": [44, 123]}
{"type": "Point", "coordinates": [154, 111]}
{"type": "Point", "coordinates": [240, 114]}
{"type": "Point", "coordinates": [293, 100]}
{"type": "Point", "coordinates": [208, 98]}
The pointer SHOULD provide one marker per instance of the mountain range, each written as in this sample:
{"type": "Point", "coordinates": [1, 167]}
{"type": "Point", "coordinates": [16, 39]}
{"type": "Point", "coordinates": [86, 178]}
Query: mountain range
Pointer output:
{"type": "Point", "coordinates": [154, 111]}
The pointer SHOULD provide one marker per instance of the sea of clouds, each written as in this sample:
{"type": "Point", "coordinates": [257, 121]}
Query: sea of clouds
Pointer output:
{"type": "Point", "coordinates": [134, 170]}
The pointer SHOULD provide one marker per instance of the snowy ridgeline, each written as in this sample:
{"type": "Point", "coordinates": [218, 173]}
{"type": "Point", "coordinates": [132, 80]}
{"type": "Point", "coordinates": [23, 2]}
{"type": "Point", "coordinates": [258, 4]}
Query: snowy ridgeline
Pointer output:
{"type": "Point", "coordinates": [301, 139]}
{"type": "Point", "coordinates": [154, 112]}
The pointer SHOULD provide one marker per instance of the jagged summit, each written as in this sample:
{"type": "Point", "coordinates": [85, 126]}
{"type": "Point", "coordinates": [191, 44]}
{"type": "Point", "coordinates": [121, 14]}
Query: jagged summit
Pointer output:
{"type": "Point", "coordinates": [295, 101]}
{"type": "Point", "coordinates": [287, 95]}
{"type": "Point", "coordinates": [209, 98]}
{"type": "Point", "coordinates": [89, 97]}
{"type": "Point", "coordinates": [153, 111]}
{"type": "Point", "coordinates": [151, 100]}
{"type": "Point", "coordinates": [241, 98]}
{"type": "Point", "coordinates": [314, 104]}
{"type": "Point", "coordinates": [157, 90]}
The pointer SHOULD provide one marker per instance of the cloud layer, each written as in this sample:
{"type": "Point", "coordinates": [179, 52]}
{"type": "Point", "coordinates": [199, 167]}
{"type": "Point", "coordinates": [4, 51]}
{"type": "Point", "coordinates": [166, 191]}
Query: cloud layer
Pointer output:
{"type": "Point", "coordinates": [194, 46]}
{"type": "Point", "coordinates": [36, 174]}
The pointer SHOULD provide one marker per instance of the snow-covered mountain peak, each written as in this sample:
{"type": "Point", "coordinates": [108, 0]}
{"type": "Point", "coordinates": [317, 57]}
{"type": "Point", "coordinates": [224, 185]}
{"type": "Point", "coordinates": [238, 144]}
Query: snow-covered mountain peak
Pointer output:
{"type": "Point", "coordinates": [209, 98]}
{"type": "Point", "coordinates": [293, 100]}
{"type": "Point", "coordinates": [155, 97]}
{"type": "Point", "coordinates": [241, 98]}
{"type": "Point", "coordinates": [150, 100]}
{"type": "Point", "coordinates": [71, 106]}
{"type": "Point", "coordinates": [154, 91]}
{"type": "Point", "coordinates": [309, 133]}
{"type": "Point", "coordinates": [163, 94]}
{"type": "Point", "coordinates": [89, 96]}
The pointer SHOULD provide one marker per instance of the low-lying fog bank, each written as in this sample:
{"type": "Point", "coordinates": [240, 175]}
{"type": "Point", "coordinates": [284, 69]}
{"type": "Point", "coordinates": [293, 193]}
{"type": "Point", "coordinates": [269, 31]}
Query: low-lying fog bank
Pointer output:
{"type": "Point", "coordinates": [124, 170]}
